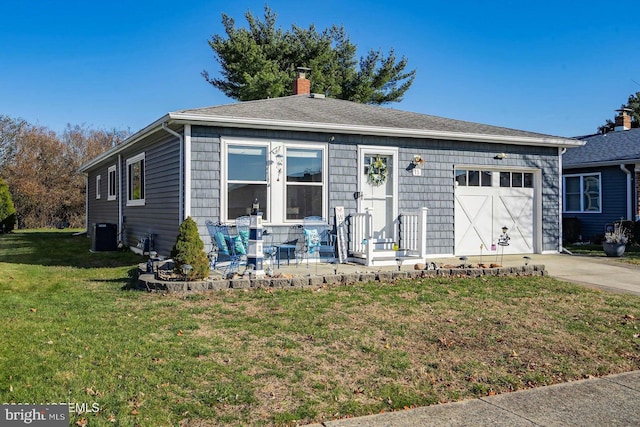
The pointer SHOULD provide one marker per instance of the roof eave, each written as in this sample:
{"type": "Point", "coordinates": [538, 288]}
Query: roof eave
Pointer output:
{"type": "Point", "coordinates": [601, 164]}
{"type": "Point", "coordinates": [142, 133]}
{"type": "Point", "coordinates": [371, 130]}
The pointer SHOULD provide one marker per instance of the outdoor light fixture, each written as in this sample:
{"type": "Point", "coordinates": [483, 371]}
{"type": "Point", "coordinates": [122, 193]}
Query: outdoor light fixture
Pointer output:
{"type": "Point", "coordinates": [249, 270]}
{"type": "Point", "coordinates": [255, 207]}
{"type": "Point", "coordinates": [399, 261]}
{"type": "Point", "coordinates": [526, 260]}
{"type": "Point", "coordinates": [464, 261]}
{"type": "Point", "coordinates": [186, 269]}
{"type": "Point", "coordinates": [504, 230]}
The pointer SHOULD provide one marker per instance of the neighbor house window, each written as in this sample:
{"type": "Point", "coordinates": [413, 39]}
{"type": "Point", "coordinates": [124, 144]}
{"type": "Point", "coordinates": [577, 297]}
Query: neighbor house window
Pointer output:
{"type": "Point", "coordinates": [98, 183]}
{"type": "Point", "coordinates": [112, 184]}
{"type": "Point", "coordinates": [582, 193]}
{"type": "Point", "coordinates": [288, 180]}
{"type": "Point", "coordinates": [135, 180]}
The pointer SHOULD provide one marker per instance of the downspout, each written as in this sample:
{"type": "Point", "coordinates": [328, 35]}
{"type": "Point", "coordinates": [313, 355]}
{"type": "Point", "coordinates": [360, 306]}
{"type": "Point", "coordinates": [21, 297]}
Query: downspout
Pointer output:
{"type": "Point", "coordinates": [629, 194]}
{"type": "Point", "coordinates": [560, 198]}
{"type": "Point", "coordinates": [181, 184]}
{"type": "Point", "coordinates": [86, 204]}
{"type": "Point", "coordinates": [120, 208]}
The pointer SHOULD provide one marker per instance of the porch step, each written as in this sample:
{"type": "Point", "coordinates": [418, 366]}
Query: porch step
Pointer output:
{"type": "Point", "coordinates": [387, 257]}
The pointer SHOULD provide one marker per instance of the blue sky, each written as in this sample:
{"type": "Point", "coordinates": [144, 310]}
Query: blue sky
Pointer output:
{"type": "Point", "coordinates": [557, 67]}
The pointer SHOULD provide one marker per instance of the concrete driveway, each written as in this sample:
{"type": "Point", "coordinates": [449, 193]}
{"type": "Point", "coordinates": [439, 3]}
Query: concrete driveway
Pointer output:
{"type": "Point", "coordinates": [597, 272]}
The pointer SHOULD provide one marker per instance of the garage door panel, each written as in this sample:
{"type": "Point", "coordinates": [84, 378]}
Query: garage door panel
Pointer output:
{"type": "Point", "coordinates": [516, 213]}
{"type": "Point", "coordinates": [471, 216]}
{"type": "Point", "coordinates": [481, 212]}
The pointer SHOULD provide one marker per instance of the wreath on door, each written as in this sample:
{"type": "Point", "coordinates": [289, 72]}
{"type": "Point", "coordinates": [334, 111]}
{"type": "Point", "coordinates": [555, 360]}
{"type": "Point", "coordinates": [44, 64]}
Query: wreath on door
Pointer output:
{"type": "Point", "coordinates": [377, 173]}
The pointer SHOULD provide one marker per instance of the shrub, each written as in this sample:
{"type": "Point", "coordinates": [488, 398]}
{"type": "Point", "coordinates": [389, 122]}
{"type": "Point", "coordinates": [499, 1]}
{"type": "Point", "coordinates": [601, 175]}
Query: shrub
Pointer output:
{"type": "Point", "coordinates": [189, 249]}
{"type": "Point", "coordinates": [7, 209]}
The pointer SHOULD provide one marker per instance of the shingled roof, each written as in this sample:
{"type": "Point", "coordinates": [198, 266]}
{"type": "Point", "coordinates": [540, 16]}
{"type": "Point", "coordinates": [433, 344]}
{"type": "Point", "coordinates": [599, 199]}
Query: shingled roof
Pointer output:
{"type": "Point", "coordinates": [609, 148]}
{"type": "Point", "coordinates": [334, 114]}
{"type": "Point", "coordinates": [316, 113]}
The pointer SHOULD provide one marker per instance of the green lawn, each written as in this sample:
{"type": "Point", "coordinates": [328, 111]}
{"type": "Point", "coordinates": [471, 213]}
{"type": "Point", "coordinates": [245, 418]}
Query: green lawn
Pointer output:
{"type": "Point", "coordinates": [73, 332]}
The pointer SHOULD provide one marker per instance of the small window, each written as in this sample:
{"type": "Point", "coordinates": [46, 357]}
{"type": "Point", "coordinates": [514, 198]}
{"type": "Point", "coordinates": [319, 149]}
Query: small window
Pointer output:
{"type": "Point", "coordinates": [473, 178]}
{"type": "Point", "coordinates": [112, 181]}
{"type": "Point", "coordinates": [98, 184]}
{"type": "Point", "coordinates": [505, 179]}
{"type": "Point", "coordinates": [461, 177]}
{"type": "Point", "coordinates": [516, 179]}
{"type": "Point", "coordinates": [528, 180]}
{"type": "Point", "coordinates": [135, 180]}
{"type": "Point", "coordinates": [485, 180]}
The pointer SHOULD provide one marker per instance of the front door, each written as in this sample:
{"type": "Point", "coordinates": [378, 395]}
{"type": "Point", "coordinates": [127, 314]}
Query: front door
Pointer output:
{"type": "Point", "coordinates": [377, 186]}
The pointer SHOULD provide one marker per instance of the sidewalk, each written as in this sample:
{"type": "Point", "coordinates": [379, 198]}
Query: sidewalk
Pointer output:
{"type": "Point", "coordinates": [607, 401]}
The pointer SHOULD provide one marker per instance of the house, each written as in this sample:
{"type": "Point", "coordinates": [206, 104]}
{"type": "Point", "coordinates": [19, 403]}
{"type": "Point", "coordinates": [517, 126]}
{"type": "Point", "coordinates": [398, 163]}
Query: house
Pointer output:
{"type": "Point", "coordinates": [428, 184]}
{"type": "Point", "coordinates": [600, 179]}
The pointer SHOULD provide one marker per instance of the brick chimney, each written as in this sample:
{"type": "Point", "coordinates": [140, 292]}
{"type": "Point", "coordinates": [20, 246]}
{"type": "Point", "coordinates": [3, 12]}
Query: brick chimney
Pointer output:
{"type": "Point", "coordinates": [623, 119]}
{"type": "Point", "coordinates": [301, 86]}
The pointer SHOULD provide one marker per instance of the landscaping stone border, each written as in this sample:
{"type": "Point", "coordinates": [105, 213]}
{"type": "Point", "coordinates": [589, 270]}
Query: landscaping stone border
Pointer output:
{"type": "Point", "coordinates": [148, 282]}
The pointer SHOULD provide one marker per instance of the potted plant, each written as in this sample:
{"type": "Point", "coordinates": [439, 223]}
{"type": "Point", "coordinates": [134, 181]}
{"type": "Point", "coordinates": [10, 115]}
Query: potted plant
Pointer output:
{"type": "Point", "coordinates": [615, 240]}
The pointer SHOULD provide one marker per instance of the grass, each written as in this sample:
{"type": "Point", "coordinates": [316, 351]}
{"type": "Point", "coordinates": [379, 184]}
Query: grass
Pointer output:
{"type": "Point", "coordinates": [75, 333]}
{"type": "Point", "coordinates": [631, 253]}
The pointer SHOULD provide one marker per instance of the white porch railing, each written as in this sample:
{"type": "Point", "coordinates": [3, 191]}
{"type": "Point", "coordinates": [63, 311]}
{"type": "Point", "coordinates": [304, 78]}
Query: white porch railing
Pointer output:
{"type": "Point", "coordinates": [361, 225]}
{"type": "Point", "coordinates": [412, 237]}
{"type": "Point", "coordinates": [413, 233]}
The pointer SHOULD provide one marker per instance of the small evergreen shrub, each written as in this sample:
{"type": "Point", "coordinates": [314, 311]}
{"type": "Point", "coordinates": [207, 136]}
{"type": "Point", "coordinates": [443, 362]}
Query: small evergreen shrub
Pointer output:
{"type": "Point", "coordinates": [189, 249]}
{"type": "Point", "coordinates": [7, 209]}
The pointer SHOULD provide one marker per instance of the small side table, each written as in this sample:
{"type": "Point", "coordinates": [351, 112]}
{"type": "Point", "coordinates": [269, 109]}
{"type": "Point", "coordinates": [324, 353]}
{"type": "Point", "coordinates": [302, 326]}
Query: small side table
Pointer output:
{"type": "Point", "coordinates": [288, 248]}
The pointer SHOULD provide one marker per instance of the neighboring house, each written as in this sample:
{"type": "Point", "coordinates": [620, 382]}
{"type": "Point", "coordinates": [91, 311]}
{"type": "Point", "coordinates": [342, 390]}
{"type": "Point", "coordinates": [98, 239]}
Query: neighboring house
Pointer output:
{"type": "Point", "coordinates": [305, 155]}
{"type": "Point", "coordinates": [601, 179]}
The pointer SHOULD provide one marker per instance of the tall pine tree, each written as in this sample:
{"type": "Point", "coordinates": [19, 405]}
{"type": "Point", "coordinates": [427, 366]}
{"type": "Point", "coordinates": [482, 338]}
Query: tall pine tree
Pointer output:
{"type": "Point", "coordinates": [260, 62]}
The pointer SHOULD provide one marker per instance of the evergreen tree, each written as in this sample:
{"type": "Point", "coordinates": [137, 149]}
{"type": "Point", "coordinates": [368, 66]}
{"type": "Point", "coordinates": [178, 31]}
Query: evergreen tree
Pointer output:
{"type": "Point", "coordinates": [260, 61]}
{"type": "Point", "coordinates": [7, 210]}
{"type": "Point", "coordinates": [189, 249]}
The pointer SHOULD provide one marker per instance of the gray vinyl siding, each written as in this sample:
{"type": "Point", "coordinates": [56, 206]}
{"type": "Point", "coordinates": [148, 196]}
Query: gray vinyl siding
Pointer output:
{"type": "Point", "coordinates": [160, 214]}
{"type": "Point", "coordinates": [434, 189]}
{"type": "Point", "coordinates": [102, 210]}
{"type": "Point", "coordinates": [614, 201]}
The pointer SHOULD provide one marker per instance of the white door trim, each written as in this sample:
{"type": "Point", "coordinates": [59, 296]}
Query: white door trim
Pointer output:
{"type": "Point", "coordinates": [385, 151]}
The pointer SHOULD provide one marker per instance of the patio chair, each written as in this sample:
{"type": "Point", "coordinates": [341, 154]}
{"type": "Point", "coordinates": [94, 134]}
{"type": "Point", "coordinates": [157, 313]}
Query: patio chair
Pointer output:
{"type": "Point", "coordinates": [227, 251]}
{"type": "Point", "coordinates": [318, 239]}
{"type": "Point", "coordinates": [243, 226]}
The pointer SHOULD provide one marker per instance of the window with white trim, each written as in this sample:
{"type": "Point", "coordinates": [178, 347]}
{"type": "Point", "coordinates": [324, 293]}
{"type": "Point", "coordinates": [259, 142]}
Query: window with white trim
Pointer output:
{"type": "Point", "coordinates": [289, 180]}
{"type": "Point", "coordinates": [98, 183]}
{"type": "Point", "coordinates": [473, 178]}
{"type": "Point", "coordinates": [582, 193]}
{"type": "Point", "coordinates": [135, 180]}
{"type": "Point", "coordinates": [112, 190]}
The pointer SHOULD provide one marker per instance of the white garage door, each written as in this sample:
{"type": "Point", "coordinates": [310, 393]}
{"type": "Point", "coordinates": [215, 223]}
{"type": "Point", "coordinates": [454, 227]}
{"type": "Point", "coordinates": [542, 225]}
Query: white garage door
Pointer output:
{"type": "Point", "coordinates": [487, 201]}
